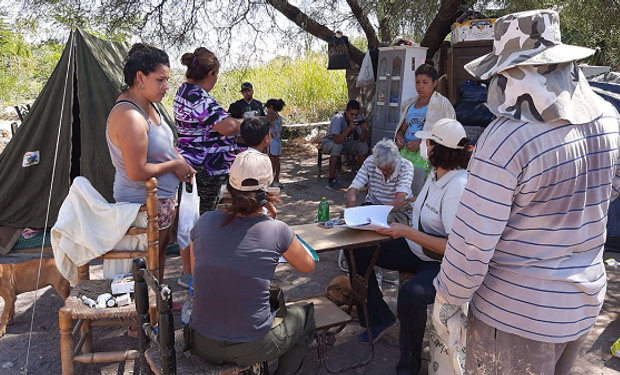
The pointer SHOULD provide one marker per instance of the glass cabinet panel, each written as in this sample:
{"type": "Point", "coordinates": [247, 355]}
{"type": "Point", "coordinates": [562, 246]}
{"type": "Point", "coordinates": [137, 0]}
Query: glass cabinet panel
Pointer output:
{"type": "Point", "coordinates": [383, 67]}
{"type": "Point", "coordinates": [397, 64]}
{"type": "Point", "coordinates": [382, 93]}
{"type": "Point", "coordinates": [394, 90]}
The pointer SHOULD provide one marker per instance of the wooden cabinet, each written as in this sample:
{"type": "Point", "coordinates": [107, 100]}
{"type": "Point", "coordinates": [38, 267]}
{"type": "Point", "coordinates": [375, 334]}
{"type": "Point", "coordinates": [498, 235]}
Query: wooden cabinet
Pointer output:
{"type": "Point", "coordinates": [459, 55]}
{"type": "Point", "coordinates": [395, 85]}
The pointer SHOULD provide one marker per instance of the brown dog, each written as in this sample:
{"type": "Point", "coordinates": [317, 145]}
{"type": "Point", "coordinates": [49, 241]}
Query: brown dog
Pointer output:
{"type": "Point", "coordinates": [16, 278]}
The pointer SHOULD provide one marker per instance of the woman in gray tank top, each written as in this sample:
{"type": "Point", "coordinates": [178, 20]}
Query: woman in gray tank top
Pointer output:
{"type": "Point", "coordinates": [142, 144]}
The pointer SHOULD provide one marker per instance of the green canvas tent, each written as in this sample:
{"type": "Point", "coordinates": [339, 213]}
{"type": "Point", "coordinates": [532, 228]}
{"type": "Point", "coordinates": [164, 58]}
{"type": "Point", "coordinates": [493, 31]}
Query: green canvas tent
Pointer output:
{"type": "Point", "coordinates": [70, 114]}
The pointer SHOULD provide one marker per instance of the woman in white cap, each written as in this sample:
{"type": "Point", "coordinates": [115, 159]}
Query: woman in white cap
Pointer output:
{"type": "Point", "coordinates": [234, 252]}
{"type": "Point", "coordinates": [418, 248]}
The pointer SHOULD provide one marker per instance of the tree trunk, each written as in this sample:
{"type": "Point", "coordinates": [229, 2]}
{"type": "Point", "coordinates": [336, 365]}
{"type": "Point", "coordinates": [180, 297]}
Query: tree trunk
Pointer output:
{"type": "Point", "coordinates": [440, 27]}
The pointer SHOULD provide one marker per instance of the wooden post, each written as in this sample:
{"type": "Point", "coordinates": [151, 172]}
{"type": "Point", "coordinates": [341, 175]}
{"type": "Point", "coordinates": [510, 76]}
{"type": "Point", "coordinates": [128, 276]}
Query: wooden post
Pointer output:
{"type": "Point", "coordinates": [65, 323]}
{"type": "Point", "coordinates": [152, 229]}
{"type": "Point", "coordinates": [84, 272]}
{"type": "Point", "coordinates": [167, 352]}
{"type": "Point", "coordinates": [141, 296]}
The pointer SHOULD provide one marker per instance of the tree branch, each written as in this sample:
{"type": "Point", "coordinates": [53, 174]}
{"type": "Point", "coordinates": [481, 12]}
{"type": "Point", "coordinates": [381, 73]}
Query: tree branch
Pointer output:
{"type": "Point", "coordinates": [362, 18]}
{"type": "Point", "coordinates": [312, 27]}
{"type": "Point", "coordinates": [440, 27]}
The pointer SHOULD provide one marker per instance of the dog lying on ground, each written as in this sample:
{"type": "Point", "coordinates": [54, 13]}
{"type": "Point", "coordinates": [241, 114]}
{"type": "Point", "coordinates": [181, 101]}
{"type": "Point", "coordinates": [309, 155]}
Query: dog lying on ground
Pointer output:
{"type": "Point", "coordinates": [339, 292]}
{"type": "Point", "coordinates": [16, 278]}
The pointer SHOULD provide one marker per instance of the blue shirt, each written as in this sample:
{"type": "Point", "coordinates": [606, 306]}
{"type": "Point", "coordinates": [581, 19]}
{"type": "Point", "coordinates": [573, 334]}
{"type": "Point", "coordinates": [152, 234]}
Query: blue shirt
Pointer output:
{"type": "Point", "coordinates": [414, 120]}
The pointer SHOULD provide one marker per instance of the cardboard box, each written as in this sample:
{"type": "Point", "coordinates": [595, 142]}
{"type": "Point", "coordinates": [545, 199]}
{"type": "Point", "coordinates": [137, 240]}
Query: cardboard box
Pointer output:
{"type": "Point", "coordinates": [480, 29]}
{"type": "Point", "coordinates": [122, 284]}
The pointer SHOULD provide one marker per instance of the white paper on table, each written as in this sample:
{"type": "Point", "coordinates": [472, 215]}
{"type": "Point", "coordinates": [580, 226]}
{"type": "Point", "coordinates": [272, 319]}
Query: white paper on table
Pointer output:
{"type": "Point", "coordinates": [371, 217]}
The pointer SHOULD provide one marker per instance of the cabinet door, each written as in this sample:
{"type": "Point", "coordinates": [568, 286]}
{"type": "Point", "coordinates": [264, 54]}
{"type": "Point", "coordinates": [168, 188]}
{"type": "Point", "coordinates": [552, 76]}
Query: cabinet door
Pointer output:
{"type": "Point", "coordinates": [395, 86]}
{"type": "Point", "coordinates": [382, 94]}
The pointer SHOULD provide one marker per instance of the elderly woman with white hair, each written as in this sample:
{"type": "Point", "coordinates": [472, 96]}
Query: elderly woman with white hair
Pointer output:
{"type": "Point", "coordinates": [388, 176]}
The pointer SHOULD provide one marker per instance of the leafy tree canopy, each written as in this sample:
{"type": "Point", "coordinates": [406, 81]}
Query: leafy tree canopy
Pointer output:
{"type": "Point", "coordinates": [239, 30]}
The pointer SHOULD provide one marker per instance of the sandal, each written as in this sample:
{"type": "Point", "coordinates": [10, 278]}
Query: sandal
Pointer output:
{"type": "Point", "coordinates": [131, 333]}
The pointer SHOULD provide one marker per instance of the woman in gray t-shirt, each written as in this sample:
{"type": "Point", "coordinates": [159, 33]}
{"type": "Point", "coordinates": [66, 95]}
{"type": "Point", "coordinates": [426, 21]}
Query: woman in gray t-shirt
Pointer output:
{"type": "Point", "coordinates": [234, 253]}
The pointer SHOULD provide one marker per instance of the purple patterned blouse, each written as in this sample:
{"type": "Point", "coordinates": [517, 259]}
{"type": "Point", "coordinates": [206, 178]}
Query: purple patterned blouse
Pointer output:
{"type": "Point", "coordinates": [195, 114]}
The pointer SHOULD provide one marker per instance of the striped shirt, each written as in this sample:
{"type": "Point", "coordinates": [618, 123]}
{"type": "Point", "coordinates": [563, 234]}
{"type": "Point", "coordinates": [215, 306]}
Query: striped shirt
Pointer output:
{"type": "Point", "coordinates": [527, 242]}
{"type": "Point", "coordinates": [380, 190]}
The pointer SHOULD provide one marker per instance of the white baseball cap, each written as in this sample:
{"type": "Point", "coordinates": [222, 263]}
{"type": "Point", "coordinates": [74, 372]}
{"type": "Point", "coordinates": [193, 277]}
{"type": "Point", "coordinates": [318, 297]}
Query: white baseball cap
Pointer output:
{"type": "Point", "coordinates": [446, 131]}
{"type": "Point", "coordinates": [251, 171]}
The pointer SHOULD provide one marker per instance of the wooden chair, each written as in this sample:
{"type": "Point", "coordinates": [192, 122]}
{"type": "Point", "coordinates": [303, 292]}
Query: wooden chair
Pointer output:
{"type": "Point", "coordinates": [86, 317]}
{"type": "Point", "coordinates": [161, 349]}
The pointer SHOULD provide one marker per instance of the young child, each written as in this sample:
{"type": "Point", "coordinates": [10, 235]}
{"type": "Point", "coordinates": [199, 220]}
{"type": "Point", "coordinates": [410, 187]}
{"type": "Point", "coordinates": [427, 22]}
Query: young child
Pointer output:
{"type": "Point", "coordinates": [274, 106]}
{"type": "Point", "coordinates": [255, 131]}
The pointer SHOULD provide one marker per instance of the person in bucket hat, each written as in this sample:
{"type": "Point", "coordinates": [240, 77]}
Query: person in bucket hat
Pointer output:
{"type": "Point", "coordinates": [526, 246]}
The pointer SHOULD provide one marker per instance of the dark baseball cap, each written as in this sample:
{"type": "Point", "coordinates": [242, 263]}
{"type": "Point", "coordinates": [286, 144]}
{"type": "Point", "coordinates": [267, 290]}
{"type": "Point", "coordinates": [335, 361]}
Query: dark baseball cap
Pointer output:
{"type": "Point", "coordinates": [246, 86]}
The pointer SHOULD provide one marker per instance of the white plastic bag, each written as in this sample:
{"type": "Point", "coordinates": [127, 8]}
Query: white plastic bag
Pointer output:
{"type": "Point", "coordinates": [189, 212]}
{"type": "Point", "coordinates": [445, 360]}
{"type": "Point", "coordinates": [367, 74]}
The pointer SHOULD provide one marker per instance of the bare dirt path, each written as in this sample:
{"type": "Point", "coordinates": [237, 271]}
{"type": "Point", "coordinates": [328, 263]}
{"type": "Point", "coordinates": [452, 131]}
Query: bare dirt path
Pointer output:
{"type": "Point", "coordinates": [301, 194]}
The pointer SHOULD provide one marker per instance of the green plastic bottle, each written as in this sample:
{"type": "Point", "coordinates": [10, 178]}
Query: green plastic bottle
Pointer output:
{"type": "Point", "coordinates": [323, 210]}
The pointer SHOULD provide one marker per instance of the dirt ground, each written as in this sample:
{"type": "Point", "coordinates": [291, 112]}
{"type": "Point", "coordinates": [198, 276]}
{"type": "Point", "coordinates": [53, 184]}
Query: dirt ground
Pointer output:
{"type": "Point", "coordinates": [301, 194]}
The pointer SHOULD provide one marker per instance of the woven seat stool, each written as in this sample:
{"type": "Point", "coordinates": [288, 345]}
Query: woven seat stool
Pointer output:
{"type": "Point", "coordinates": [86, 317]}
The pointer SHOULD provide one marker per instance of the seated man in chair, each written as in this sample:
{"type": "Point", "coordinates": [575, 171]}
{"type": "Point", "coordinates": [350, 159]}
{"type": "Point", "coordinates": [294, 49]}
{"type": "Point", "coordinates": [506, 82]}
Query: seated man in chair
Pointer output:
{"type": "Point", "coordinates": [347, 131]}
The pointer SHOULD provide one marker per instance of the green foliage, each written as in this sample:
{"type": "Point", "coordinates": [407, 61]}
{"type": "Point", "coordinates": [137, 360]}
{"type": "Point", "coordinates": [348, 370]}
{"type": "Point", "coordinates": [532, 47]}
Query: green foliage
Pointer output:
{"type": "Point", "coordinates": [311, 92]}
{"type": "Point", "coordinates": [24, 67]}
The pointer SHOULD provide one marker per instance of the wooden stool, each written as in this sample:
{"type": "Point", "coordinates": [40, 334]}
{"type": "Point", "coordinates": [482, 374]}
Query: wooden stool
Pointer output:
{"type": "Point", "coordinates": [326, 316]}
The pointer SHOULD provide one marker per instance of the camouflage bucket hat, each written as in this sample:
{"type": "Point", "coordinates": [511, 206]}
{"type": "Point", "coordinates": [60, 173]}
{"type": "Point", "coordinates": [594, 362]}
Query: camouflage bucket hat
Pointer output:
{"type": "Point", "coordinates": [545, 93]}
{"type": "Point", "coordinates": [526, 38]}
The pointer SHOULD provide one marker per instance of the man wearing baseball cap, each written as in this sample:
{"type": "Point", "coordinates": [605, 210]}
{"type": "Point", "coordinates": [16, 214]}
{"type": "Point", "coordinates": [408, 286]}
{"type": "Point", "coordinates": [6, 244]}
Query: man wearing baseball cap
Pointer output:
{"type": "Point", "coordinates": [527, 242]}
{"type": "Point", "coordinates": [248, 103]}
